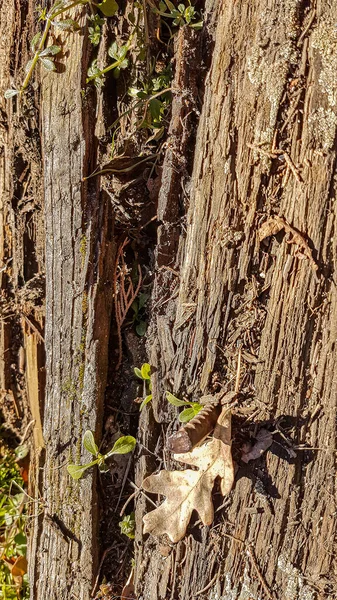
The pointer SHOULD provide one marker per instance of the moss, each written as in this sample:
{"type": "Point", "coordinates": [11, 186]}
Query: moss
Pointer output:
{"type": "Point", "coordinates": [85, 303]}
{"type": "Point", "coordinates": [83, 248]}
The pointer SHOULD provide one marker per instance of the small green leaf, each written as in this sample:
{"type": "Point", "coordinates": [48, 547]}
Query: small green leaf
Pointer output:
{"type": "Point", "coordinates": [175, 401]}
{"type": "Point", "coordinates": [108, 7]}
{"type": "Point", "coordinates": [50, 51]}
{"type": "Point", "coordinates": [146, 400]}
{"type": "Point", "coordinates": [138, 373]}
{"type": "Point", "coordinates": [170, 5]}
{"type": "Point", "coordinates": [113, 50]}
{"type": "Point", "coordinates": [21, 452]}
{"type": "Point", "coordinates": [196, 407]}
{"type": "Point", "coordinates": [67, 25]}
{"type": "Point", "coordinates": [181, 8]}
{"type": "Point", "coordinates": [124, 445]}
{"type": "Point", "coordinates": [155, 107]}
{"type": "Point", "coordinates": [141, 328]}
{"type": "Point", "coordinates": [146, 371]}
{"type": "Point", "coordinates": [124, 64]}
{"type": "Point", "coordinates": [10, 93]}
{"type": "Point", "coordinates": [186, 415]}
{"type": "Point", "coordinates": [35, 41]}
{"type": "Point", "coordinates": [89, 443]}
{"type": "Point", "coordinates": [103, 467]}
{"type": "Point", "coordinates": [28, 65]}
{"type": "Point", "coordinates": [127, 525]}
{"type": "Point", "coordinates": [76, 471]}
{"type": "Point", "coordinates": [142, 299]}
{"type": "Point", "coordinates": [48, 64]}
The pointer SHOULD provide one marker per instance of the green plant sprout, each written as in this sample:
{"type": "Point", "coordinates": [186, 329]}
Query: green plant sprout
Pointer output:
{"type": "Point", "coordinates": [45, 54]}
{"type": "Point", "coordinates": [138, 308]}
{"type": "Point", "coordinates": [181, 14]}
{"type": "Point", "coordinates": [144, 373]}
{"type": "Point", "coordinates": [187, 414]}
{"type": "Point", "coordinates": [155, 96]}
{"type": "Point", "coordinates": [94, 29]}
{"type": "Point", "coordinates": [123, 445]}
{"type": "Point", "coordinates": [128, 525]}
{"type": "Point", "coordinates": [120, 62]}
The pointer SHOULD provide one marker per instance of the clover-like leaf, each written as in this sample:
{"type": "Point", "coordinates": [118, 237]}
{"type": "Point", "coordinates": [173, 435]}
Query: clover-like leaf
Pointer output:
{"type": "Point", "coordinates": [89, 442]}
{"type": "Point", "coordinates": [35, 41]}
{"type": "Point", "coordinates": [141, 328]}
{"type": "Point", "coordinates": [189, 413]}
{"type": "Point", "coordinates": [138, 373]}
{"type": "Point", "coordinates": [50, 51]}
{"type": "Point", "coordinates": [67, 25]}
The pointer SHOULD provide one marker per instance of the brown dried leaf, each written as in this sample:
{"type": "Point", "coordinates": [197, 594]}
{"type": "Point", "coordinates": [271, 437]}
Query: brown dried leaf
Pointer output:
{"type": "Point", "coordinates": [189, 490]}
{"type": "Point", "coordinates": [264, 440]}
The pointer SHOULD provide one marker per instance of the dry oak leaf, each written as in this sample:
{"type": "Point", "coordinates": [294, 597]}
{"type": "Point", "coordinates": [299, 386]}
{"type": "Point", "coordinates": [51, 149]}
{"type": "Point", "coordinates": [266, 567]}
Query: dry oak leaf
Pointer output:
{"type": "Point", "coordinates": [190, 490]}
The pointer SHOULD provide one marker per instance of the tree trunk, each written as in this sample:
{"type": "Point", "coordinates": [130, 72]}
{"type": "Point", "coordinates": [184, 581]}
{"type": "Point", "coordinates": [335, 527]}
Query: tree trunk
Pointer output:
{"type": "Point", "coordinates": [269, 83]}
{"type": "Point", "coordinates": [77, 267]}
{"type": "Point", "coordinates": [252, 137]}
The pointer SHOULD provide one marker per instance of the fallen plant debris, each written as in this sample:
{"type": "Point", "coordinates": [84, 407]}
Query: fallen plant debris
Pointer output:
{"type": "Point", "coordinates": [264, 440]}
{"type": "Point", "coordinates": [190, 490]}
{"type": "Point", "coordinates": [275, 224]}
{"type": "Point", "coordinates": [202, 420]}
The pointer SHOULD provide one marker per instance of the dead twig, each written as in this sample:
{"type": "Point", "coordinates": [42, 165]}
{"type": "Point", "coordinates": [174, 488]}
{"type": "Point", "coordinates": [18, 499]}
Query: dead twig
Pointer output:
{"type": "Point", "coordinates": [275, 224]}
{"type": "Point", "coordinates": [276, 153]}
{"type": "Point", "coordinates": [124, 293]}
{"type": "Point", "coordinates": [250, 553]}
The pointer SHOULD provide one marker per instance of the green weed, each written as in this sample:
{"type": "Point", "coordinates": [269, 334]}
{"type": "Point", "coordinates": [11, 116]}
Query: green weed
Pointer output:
{"type": "Point", "coordinates": [188, 413]}
{"type": "Point", "coordinates": [123, 445]}
{"type": "Point", "coordinates": [144, 373]}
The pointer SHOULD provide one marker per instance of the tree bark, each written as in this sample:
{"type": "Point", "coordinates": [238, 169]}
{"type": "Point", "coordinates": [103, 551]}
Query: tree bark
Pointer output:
{"type": "Point", "coordinates": [252, 136]}
{"type": "Point", "coordinates": [268, 83]}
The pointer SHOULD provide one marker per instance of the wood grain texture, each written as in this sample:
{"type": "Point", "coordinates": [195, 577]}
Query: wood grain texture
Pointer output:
{"type": "Point", "coordinates": [79, 258]}
{"type": "Point", "coordinates": [269, 75]}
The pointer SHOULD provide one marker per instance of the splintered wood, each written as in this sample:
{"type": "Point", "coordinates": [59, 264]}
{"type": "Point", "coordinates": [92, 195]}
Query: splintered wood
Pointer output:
{"type": "Point", "coordinates": [275, 224]}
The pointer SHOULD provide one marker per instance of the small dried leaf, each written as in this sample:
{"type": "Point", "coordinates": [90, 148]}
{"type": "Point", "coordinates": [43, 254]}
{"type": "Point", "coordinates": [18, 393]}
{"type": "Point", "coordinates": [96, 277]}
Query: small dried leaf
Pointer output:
{"type": "Point", "coordinates": [189, 490]}
{"type": "Point", "coordinates": [264, 440]}
{"type": "Point", "coordinates": [19, 569]}
{"type": "Point", "coordinates": [271, 227]}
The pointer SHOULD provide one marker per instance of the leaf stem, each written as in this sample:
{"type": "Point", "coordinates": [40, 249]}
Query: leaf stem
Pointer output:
{"type": "Point", "coordinates": [48, 24]}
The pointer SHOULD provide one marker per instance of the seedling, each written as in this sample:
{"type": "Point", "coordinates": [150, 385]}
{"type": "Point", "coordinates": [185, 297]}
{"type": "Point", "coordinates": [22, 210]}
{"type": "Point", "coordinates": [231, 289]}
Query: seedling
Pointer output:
{"type": "Point", "coordinates": [187, 414]}
{"type": "Point", "coordinates": [120, 62]}
{"type": "Point", "coordinates": [138, 308]}
{"type": "Point", "coordinates": [181, 14]}
{"type": "Point", "coordinates": [128, 525]}
{"type": "Point", "coordinates": [145, 375]}
{"type": "Point", "coordinates": [43, 54]}
{"type": "Point", "coordinates": [123, 445]}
